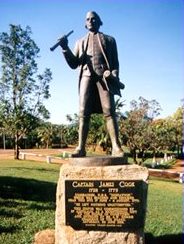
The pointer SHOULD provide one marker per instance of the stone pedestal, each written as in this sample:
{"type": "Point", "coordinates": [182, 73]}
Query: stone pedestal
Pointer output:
{"type": "Point", "coordinates": [100, 201]}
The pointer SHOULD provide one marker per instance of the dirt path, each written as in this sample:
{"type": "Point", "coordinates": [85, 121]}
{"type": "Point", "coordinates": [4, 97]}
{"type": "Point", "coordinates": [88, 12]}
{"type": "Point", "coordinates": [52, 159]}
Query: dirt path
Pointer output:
{"type": "Point", "coordinates": [41, 155]}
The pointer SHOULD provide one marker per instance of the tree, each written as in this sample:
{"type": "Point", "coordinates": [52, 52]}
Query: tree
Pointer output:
{"type": "Point", "coordinates": [175, 123]}
{"type": "Point", "coordinates": [98, 133]}
{"type": "Point", "coordinates": [45, 133]}
{"type": "Point", "coordinates": [160, 136]}
{"type": "Point", "coordinates": [135, 128]}
{"type": "Point", "coordinates": [70, 131]}
{"type": "Point", "coordinates": [22, 89]}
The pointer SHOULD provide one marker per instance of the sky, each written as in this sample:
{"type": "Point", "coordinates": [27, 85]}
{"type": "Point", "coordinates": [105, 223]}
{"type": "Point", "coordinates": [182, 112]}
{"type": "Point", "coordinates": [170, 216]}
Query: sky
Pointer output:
{"type": "Point", "coordinates": [149, 36]}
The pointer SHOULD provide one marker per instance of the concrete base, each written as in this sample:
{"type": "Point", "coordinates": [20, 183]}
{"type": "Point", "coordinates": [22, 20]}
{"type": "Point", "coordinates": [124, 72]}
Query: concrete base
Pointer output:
{"type": "Point", "coordinates": [65, 234]}
{"type": "Point", "coordinates": [98, 161]}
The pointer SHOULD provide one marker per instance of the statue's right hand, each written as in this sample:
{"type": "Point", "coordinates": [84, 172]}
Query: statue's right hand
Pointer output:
{"type": "Point", "coordinates": [63, 42]}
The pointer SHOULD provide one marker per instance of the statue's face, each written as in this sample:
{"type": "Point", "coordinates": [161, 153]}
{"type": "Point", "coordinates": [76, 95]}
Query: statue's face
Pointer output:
{"type": "Point", "coordinates": [92, 22]}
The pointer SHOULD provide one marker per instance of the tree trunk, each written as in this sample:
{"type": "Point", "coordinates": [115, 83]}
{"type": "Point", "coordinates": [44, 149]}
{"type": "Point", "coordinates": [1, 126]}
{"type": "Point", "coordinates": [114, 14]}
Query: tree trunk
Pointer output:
{"type": "Point", "coordinates": [165, 157]}
{"type": "Point", "coordinates": [16, 149]}
{"type": "Point", "coordinates": [134, 155]}
{"type": "Point", "coordinates": [4, 141]}
{"type": "Point", "coordinates": [154, 157]}
{"type": "Point", "coordinates": [143, 157]}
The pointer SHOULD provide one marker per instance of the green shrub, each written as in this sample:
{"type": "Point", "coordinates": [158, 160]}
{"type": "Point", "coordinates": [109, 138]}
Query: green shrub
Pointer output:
{"type": "Point", "coordinates": [160, 165]}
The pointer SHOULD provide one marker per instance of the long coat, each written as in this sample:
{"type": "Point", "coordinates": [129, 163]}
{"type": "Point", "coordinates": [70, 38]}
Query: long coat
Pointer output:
{"type": "Point", "coordinates": [109, 49]}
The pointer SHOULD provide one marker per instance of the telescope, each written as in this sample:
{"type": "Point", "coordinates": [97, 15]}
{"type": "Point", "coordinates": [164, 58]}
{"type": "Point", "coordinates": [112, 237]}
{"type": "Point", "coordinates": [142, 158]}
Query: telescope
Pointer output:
{"type": "Point", "coordinates": [57, 44]}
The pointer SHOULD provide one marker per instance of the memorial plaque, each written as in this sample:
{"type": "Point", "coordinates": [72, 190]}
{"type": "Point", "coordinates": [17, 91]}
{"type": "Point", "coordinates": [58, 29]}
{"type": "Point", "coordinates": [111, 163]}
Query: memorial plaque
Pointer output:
{"type": "Point", "coordinates": [113, 205]}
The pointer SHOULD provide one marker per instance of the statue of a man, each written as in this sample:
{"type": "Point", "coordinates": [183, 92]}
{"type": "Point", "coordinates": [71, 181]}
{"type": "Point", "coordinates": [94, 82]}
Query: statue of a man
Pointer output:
{"type": "Point", "coordinates": [97, 58]}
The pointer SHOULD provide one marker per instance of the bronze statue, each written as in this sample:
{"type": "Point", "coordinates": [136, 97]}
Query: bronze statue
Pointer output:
{"type": "Point", "coordinates": [97, 58]}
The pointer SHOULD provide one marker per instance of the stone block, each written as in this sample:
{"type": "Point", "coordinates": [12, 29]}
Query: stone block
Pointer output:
{"type": "Point", "coordinates": [111, 175]}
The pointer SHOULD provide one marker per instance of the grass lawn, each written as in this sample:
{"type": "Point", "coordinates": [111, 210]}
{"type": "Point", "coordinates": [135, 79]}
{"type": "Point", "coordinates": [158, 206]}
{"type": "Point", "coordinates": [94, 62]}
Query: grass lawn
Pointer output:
{"type": "Point", "coordinates": [164, 212]}
{"type": "Point", "coordinates": [27, 204]}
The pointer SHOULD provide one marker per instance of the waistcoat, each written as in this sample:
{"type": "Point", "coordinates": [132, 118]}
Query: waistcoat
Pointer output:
{"type": "Point", "coordinates": [95, 58]}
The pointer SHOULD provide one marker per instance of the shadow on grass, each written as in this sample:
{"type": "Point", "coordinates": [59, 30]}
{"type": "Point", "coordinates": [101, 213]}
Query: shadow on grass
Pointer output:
{"type": "Point", "coordinates": [19, 195]}
{"type": "Point", "coordinates": [34, 169]}
{"type": "Point", "coordinates": [166, 239]}
{"type": "Point", "coordinates": [10, 213]}
{"type": "Point", "coordinates": [9, 229]}
{"type": "Point", "coordinates": [27, 189]}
